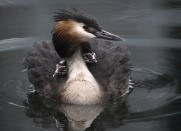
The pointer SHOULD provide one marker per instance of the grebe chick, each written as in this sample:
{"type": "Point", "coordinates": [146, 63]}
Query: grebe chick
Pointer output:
{"type": "Point", "coordinates": [75, 34]}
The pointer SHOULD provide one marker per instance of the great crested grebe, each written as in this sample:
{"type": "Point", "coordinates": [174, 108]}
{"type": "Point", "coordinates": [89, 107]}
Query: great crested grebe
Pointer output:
{"type": "Point", "coordinates": [73, 36]}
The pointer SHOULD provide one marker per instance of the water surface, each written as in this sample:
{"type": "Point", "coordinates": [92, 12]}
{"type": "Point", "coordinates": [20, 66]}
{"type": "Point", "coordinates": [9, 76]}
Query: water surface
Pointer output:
{"type": "Point", "coordinates": [152, 29]}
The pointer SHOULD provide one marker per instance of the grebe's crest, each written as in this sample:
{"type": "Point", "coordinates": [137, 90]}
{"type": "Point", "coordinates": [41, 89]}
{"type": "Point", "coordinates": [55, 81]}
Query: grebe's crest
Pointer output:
{"type": "Point", "coordinates": [64, 15]}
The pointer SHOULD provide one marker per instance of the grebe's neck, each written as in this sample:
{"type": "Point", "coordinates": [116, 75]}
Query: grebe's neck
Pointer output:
{"type": "Point", "coordinates": [77, 67]}
{"type": "Point", "coordinates": [81, 87]}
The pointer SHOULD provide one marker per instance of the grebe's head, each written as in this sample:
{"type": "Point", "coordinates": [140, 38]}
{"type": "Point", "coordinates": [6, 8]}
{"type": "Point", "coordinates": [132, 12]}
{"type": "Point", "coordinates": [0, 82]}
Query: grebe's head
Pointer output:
{"type": "Point", "coordinates": [75, 28]}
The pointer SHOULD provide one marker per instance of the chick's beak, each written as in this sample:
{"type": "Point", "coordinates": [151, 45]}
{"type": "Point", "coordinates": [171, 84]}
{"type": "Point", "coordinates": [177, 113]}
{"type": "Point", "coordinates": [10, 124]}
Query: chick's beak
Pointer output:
{"type": "Point", "coordinates": [107, 35]}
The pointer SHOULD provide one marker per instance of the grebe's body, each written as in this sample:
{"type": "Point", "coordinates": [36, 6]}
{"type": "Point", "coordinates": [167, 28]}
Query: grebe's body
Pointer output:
{"type": "Point", "coordinates": [81, 86]}
{"type": "Point", "coordinates": [84, 84]}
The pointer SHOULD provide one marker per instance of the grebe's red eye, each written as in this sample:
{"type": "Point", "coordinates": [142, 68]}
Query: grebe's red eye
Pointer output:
{"type": "Point", "coordinates": [85, 27]}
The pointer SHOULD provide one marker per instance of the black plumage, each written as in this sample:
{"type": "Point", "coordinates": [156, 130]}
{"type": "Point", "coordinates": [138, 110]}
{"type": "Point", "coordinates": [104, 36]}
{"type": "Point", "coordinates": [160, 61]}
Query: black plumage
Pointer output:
{"type": "Point", "coordinates": [111, 71]}
{"type": "Point", "coordinates": [63, 15]}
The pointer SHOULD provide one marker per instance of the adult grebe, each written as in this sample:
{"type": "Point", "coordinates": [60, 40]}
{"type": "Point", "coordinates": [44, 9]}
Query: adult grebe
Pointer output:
{"type": "Point", "coordinates": [84, 84]}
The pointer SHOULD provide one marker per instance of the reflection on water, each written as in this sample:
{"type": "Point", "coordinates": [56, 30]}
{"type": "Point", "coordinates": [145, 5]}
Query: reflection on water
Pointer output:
{"type": "Point", "coordinates": [152, 32]}
{"type": "Point", "coordinates": [48, 114]}
{"type": "Point", "coordinates": [80, 117]}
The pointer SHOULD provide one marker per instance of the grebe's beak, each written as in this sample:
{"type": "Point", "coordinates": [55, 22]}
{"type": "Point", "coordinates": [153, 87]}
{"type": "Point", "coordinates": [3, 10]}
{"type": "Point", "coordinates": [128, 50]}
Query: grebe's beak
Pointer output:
{"type": "Point", "coordinates": [107, 35]}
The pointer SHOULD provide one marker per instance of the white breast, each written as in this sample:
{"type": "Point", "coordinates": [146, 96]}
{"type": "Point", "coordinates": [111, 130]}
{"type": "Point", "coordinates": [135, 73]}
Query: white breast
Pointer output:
{"type": "Point", "coordinates": [81, 87]}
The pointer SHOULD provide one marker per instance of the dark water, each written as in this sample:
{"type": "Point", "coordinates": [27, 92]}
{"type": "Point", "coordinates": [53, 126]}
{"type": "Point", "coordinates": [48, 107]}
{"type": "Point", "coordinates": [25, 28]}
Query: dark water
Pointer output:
{"type": "Point", "coordinates": [152, 29]}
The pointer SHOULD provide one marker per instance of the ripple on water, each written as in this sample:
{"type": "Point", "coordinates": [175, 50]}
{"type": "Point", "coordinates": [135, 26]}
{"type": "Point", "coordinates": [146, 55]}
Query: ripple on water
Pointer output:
{"type": "Point", "coordinates": [153, 97]}
{"type": "Point", "coordinates": [17, 43]}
